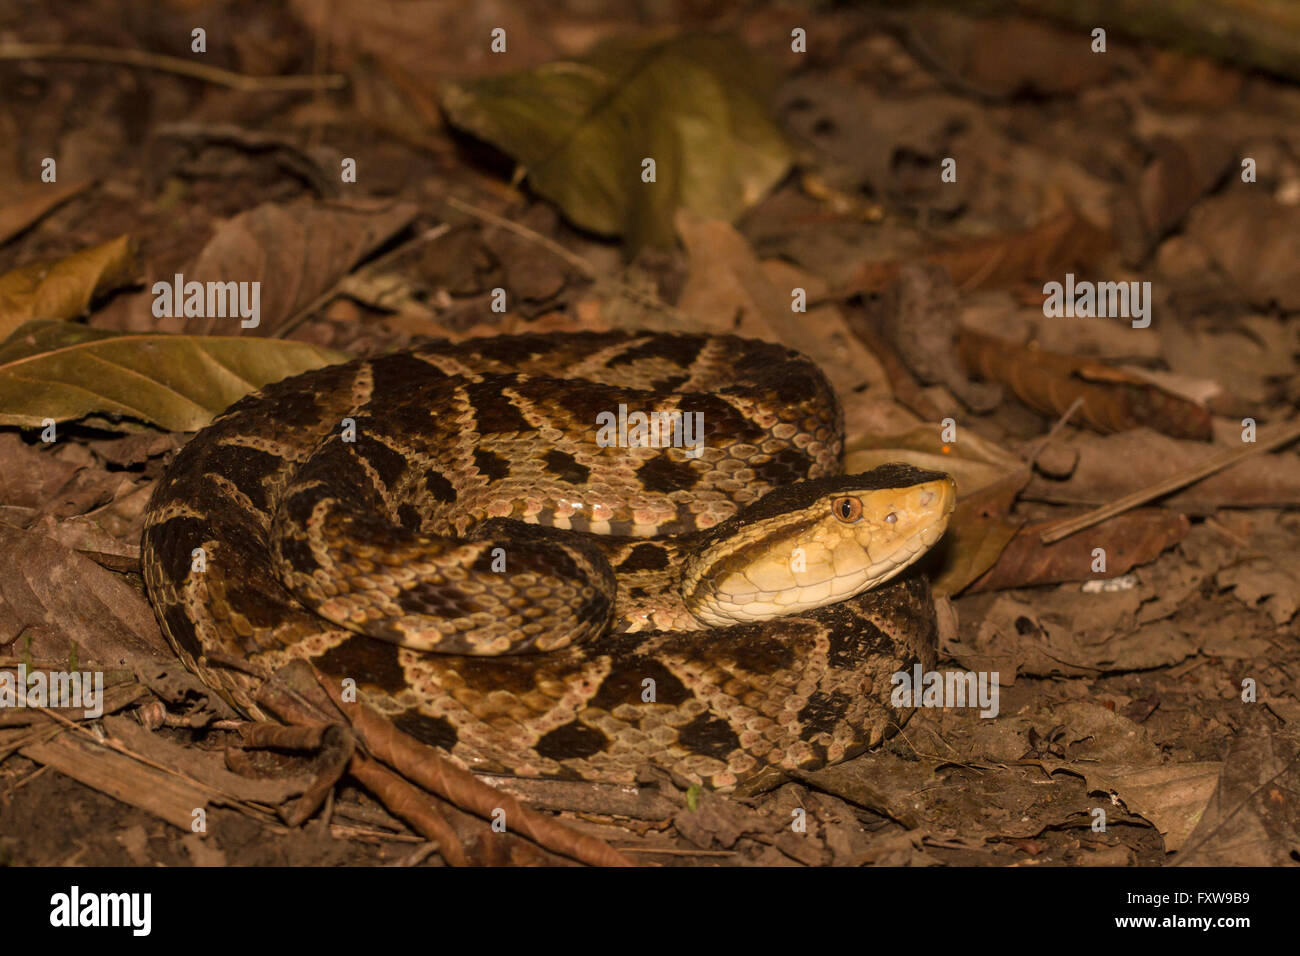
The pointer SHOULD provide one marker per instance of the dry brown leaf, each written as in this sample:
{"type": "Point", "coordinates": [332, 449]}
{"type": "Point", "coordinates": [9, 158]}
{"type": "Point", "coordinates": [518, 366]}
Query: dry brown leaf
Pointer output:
{"type": "Point", "coordinates": [85, 536]}
{"type": "Point", "coordinates": [1069, 633]}
{"type": "Point", "coordinates": [1111, 466]}
{"type": "Point", "coordinates": [1229, 226]}
{"type": "Point", "coordinates": [1015, 55]}
{"type": "Point", "coordinates": [1245, 359]}
{"type": "Point", "coordinates": [60, 598]}
{"type": "Point", "coordinates": [914, 323]}
{"type": "Point", "coordinates": [30, 475]}
{"type": "Point", "coordinates": [1269, 581]}
{"type": "Point", "coordinates": [64, 288]}
{"type": "Point", "coordinates": [298, 252]}
{"type": "Point", "coordinates": [729, 290]}
{"type": "Point", "coordinates": [1128, 540]}
{"type": "Point", "coordinates": [978, 531]}
{"type": "Point", "coordinates": [428, 39]}
{"type": "Point", "coordinates": [26, 204]}
{"type": "Point", "coordinates": [1117, 756]}
{"type": "Point", "coordinates": [1066, 243]}
{"type": "Point", "coordinates": [1113, 400]}
{"type": "Point", "coordinates": [1180, 82]}
{"type": "Point", "coordinates": [1180, 172]}
{"type": "Point", "coordinates": [1253, 818]}
{"type": "Point", "coordinates": [1172, 796]}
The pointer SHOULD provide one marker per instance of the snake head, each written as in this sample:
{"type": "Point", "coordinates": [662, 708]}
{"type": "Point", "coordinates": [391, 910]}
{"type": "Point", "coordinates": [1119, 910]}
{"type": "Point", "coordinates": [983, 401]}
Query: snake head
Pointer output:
{"type": "Point", "coordinates": [814, 543]}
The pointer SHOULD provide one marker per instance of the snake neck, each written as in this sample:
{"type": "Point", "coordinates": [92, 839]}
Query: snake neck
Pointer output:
{"type": "Point", "coordinates": [648, 576]}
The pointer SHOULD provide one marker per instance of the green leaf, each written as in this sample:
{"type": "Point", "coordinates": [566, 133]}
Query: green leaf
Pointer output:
{"type": "Point", "coordinates": [581, 129]}
{"type": "Point", "coordinates": [64, 371]}
{"type": "Point", "coordinates": [693, 797]}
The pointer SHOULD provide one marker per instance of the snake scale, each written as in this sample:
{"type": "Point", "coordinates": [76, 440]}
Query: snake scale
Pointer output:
{"type": "Point", "coordinates": [536, 593]}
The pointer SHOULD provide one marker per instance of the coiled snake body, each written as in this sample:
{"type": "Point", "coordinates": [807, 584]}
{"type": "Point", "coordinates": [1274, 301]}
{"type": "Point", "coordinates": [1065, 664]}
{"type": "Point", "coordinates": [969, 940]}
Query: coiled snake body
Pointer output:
{"type": "Point", "coordinates": [518, 568]}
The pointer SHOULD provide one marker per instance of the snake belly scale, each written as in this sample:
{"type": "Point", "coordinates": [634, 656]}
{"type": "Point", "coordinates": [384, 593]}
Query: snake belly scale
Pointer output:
{"type": "Point", "coordinates": [449, 527]}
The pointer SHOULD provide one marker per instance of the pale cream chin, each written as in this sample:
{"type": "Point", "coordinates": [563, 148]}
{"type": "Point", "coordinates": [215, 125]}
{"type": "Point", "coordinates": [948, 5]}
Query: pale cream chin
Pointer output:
{"type": "Point", "coordinates": [747, 598]}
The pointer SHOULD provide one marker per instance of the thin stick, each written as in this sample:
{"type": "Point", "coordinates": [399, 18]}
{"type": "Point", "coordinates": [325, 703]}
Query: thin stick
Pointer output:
{"type": "Point", "coordinates": [674, 852]}
{"type": "Point", "coordinates": [306, 312]}
{"type": "Point", "coordinates": [26, 780]}
{"type": "Point", "coordinates": [423, 765]}
{"type": "Point", "coordinates": [170, 64]}
{"type": "Point", "coordinates": [1060, 423]}
{"type": "Point", "coordinates": [121, 748]}
{"type": "Point", "coordinates": [1208, 467]}
{"type": "Point", "coordinates": [550, 245]}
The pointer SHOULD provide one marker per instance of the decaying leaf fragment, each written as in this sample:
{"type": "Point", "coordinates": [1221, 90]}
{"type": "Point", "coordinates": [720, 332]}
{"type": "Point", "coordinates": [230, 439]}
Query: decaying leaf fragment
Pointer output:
{"type": "Point", "coordinates": [64, 288]}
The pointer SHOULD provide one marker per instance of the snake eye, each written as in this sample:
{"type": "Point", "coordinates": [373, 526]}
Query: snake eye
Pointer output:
{"type": "Point", "coordinates": [847, 510]}
{"type": "Point", "coordinates": [891, 517]}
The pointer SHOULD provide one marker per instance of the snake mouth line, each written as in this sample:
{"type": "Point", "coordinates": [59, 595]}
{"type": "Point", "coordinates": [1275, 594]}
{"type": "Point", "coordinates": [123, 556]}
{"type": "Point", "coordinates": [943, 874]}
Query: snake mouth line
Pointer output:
{"type": "Point", "coordinates": [831, 550]}
{"type": "Point", "coordinates": [907, 554]}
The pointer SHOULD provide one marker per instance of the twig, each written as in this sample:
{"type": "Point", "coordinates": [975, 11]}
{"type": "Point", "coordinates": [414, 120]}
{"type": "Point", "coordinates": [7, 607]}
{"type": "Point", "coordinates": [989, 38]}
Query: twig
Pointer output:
{"type": "Point", "coordinates": [25, 780]}
{"type": "Point", "coordinates": [426, 767]}
{"type": "Point", "coordinates": [411, 804]}
{"type": "Point", "coordinates": [170, 64]}
{"type": "Point", "coordinates": [297, 319]}
{"type": "Point", "coordinates": [1060, 423]}
{"type": "Point", "coordinates": [113, 744]}
{"type": "Point", "coordinates": [1068, 527]}
{"type": "Point", "coordinates": [344, 831]}
{"type": "Point", "coordinates": [39, 736]}
{"type": "Point", "coordinates": [550, 245]}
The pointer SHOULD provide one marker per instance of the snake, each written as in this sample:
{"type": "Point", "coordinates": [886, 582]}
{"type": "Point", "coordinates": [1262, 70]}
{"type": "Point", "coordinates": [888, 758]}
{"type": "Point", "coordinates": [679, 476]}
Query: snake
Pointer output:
{"type": "Point", "coordinates": [574, 555]}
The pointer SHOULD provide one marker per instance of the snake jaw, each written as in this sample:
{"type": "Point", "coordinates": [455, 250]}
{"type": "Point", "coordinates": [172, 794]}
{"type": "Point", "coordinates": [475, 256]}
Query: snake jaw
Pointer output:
{"type": "Point", "coordinates": [823, 553]}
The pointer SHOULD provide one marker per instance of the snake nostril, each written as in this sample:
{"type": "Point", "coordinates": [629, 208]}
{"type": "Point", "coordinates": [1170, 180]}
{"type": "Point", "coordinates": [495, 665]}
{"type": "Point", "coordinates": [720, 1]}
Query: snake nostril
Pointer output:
{"type": "Point", "coordinates": [927, 498]}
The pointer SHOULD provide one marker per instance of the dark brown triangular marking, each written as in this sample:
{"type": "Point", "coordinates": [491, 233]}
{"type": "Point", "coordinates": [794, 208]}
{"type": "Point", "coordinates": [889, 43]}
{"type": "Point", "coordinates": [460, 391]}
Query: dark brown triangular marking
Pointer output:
{"type": "Point", "coordinates": [367, 661]}
{"type": "Point", "coordinates": [710, 736]}
{"type": "Point", "coordinates": [494, 410]}
{"type": "Point", "coordinates": [572, 741]}
{"type": "Point", "coordinates": [434, 731]}
{"type": "Point", "coordinates": [663, 475]}
{"type": "Point", "coordinates": [565, 467]}
{"type": "Point", "coordinates": [492, 465]}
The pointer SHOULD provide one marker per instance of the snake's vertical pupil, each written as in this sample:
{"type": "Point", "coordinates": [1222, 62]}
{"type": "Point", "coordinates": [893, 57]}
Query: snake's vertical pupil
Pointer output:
{"type": "Point", "coordinates": [847, 509]}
